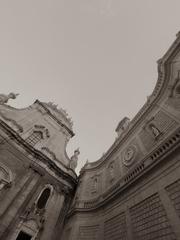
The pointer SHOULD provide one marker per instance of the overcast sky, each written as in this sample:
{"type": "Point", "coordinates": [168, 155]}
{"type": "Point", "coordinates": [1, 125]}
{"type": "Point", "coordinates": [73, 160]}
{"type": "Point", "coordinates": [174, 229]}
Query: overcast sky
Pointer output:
{"type": "Point", "coordinates": [95, 58]}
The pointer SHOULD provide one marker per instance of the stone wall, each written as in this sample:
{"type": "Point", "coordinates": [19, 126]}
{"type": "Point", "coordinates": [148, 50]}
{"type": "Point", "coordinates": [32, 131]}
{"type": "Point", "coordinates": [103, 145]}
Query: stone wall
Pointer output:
{"type": "Point", "coordinates": [147, 209]}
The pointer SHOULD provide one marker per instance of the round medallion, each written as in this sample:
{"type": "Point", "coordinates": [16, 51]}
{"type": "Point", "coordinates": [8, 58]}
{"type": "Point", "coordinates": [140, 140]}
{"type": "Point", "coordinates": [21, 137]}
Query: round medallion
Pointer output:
{"type": "Point", "coordinates": [129, 155]}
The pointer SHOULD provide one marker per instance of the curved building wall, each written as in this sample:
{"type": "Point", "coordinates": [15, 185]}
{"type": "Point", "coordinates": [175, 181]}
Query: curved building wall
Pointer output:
{"type": "Point", "coordinates": [129, 192]}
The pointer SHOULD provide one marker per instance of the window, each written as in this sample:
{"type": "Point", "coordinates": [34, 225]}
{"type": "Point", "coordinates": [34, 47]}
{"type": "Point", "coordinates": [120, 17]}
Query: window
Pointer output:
{"type": "Point", "coordinates": [34, 138]}
{"type": "Point", "coordinates": [43, 198]}
{"type": "Point", "coordinates": [23, 236]}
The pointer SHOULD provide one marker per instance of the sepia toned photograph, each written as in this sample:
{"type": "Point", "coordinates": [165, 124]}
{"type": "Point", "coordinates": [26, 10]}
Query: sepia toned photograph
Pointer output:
{"type": "Point", "coordinates": [90, 120]}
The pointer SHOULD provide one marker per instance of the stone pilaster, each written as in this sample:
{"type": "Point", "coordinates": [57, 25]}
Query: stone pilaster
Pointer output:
{"type": "Point", "coordinates": [12, 193]}
{"type": "Point", "coordinates": [19, 199]}
{"type": "Point", "coordinates": [171, 213]}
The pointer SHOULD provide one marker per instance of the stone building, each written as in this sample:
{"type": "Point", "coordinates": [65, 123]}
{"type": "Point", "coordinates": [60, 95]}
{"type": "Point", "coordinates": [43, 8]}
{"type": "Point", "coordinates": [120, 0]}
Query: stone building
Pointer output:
{"type": "Point", "coordinates": [131, 193]}
{"type": "Point", "coordinates": [37, 180]}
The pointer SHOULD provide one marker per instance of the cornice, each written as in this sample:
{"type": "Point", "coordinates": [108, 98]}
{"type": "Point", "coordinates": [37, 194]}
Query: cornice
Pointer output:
{"type": "Point", "coordinates": [151, 161]}
{"type": "Point", "coordinates": [147, 107]}
{"type": "Point", "coordinates": [40, 156]}
{"type": "Point", "coordinates": [52, 116]}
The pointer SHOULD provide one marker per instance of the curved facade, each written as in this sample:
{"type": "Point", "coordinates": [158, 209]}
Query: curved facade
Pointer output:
{"type": "Point", "coordinates": [132, 192]}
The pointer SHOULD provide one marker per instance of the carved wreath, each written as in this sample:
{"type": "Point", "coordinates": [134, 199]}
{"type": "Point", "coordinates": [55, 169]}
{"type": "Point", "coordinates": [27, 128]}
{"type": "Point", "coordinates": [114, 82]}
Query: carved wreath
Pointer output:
{"type": "Point", "coordinates": [129, 155]}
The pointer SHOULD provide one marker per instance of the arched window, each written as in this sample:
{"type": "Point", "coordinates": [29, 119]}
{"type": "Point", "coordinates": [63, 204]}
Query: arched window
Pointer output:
{"type": "Point", "coordinates": [43, 198]}
{"type": "Point", "coordinates": [34, 138]}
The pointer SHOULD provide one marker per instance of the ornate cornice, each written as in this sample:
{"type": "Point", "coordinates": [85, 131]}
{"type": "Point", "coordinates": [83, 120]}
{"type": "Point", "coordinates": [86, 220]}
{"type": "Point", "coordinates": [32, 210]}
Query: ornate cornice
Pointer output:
{"type": "Point", "coordinates": [55, 118]}
{"type": "Point", "coordinates": [13, 135]}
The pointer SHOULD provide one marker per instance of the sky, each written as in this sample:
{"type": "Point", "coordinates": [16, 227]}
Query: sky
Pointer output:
{"type": "Point", "coordinates": [94, 58]}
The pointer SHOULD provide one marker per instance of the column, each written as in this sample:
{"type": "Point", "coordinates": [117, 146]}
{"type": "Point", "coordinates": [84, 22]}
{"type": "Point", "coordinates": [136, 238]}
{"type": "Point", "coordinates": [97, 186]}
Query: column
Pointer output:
{"type": "Point", "coordinates": [12, 192]}
{"type": "Point", "coordinates": [16, 204]}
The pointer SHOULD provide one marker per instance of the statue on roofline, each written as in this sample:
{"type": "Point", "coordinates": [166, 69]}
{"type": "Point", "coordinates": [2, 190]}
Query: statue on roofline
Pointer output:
{"type": "Point", "coordinates": [74, 159]}
{"type": "Point", "coordinates": [5, 98]}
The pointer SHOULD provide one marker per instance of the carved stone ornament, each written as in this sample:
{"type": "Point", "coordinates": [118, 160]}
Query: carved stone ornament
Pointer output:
{"type": "Point", "coordinates": [5, 98]}
{"type": "Point", "coordinates": [62, 111]}
{"type": "Point", "coordinates": [74, 159]}
{"type": "Point", "coordinates": [129, 155]}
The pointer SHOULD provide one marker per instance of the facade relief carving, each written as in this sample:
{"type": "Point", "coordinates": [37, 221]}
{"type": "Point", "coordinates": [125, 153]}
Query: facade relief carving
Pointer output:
{"type": "Point", "coordinates": [129, 155]}
{"type": "Point", "coordinates": [62, 112]}
{"type": "Point", "coordinates": [154, 130]}
{"type": "Point", "coordinates": [44, 130]}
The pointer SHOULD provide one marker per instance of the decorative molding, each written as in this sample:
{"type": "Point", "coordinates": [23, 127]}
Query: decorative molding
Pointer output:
{"type": "Point", "coordinates": [67, 174]}
{"type": "Point", "coordinates": [44, 109]}
{"type": "Point", "coordinates": [61, 111]}
{"type": "Point", "coordinates": [49, 153]}
{"type": "Point", "coordinates": [44, 130]}
{"type": "Point", "coordinates": [12, 123]}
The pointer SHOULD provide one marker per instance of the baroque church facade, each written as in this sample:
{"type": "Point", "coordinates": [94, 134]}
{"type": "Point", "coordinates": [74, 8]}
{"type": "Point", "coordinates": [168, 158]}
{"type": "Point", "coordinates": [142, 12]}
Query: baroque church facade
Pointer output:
{"type": "Point", "coordinates": [131, 193]}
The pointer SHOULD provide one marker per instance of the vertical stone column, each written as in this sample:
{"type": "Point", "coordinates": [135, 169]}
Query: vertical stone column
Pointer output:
{"type": "Point", "coordinates": [18, 201]}
{"type": "Point", "coordinates": [12, 193]}
{"type": "Point", "coordinates": [52, 215]}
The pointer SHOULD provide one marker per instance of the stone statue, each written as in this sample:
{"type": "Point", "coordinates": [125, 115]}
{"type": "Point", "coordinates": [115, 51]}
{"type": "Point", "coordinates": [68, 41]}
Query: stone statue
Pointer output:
{"type": "Point", "coordinates": [154, 130]}
{"type": "Point", "coordinates": [5, 98]}
{"type": "Point", "coordinates": [74, 159]}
